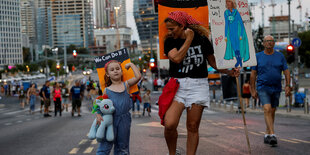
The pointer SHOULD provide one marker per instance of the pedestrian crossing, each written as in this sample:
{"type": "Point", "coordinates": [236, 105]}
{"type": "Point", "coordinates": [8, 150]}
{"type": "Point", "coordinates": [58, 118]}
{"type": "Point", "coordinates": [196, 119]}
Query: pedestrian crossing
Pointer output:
{"type": "Point", "coordinates": [256, 133]}
{"type": "Point", "coordinates": [85, 146]}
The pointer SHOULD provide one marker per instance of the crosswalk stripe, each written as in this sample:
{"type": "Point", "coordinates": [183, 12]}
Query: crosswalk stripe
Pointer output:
{"type": "Point", "coordinates": [8, 124]}
{"type": "Point", "coordinates": [74, 151]}
{"type": "Point", "coordinates": [14, 112]}
{"type": "Point", "coordinates": [214, 123]}
{"type": "Point", "coordinates": [262, 132]}
{"type": "Point", "coordinates": [94, 142]}
{"type": "Point", "coordinates": [301, 140]}
{"type": "Point", "coordinates": [83, 141]}
{"type": "Point", "coordinates": [286, 140]}
{"type": "Point", "coordinates": [89, 150]}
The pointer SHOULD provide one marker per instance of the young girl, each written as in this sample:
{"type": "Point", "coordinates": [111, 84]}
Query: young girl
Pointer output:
{"type": "Point", "coordinates": [147, 102]}
{"type": "Point", "coordinates": [118, 92]}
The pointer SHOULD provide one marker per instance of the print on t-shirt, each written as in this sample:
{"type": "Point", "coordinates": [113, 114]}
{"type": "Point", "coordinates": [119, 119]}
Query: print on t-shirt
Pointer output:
{"type": "Point", "coordinates": [194, 57]}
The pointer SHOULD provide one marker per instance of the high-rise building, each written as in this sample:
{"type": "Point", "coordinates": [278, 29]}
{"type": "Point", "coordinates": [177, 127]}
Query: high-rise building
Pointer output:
{"type": "Point", "coordinates": [28, 20]}
{"type": "Point", "coordinates": [102, 13]}
{"type": "Point", "coordinates": [72, 22]}
{"type": "Point", "coordinates": [147, 24]}
{"type": "Point", "coordinates": [43, 23]}
{"type": "Point", "coordinates": [10, 33]}
{"type": "Point", "coordinates": [119, 11]}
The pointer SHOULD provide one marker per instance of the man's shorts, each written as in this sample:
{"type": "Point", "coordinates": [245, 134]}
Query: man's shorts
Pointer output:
{"type": "Point", "coordinates": [268, 97]}
{"type": "Point", "coordinates": [76, 103]}
{"type": "Point", "coordinates": [42, 102]}
{"type": "Point", "coordinates": [146, 105]}
{"type": "Point", "coordinates": [193, 90]}
{"type": "Point", "coordinates": [47, 103]}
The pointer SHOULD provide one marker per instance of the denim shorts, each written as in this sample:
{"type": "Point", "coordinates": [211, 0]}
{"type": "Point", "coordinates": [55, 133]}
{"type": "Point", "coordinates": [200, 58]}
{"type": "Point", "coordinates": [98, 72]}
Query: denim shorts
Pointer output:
{"type": "Point", "coordinates": [193, 90]}
{"type": "Point", "coordinates": [268, 97]}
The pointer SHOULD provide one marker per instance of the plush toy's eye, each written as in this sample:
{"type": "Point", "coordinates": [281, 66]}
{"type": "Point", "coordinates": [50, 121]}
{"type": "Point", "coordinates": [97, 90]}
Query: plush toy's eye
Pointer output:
{"type": "Point", "coordinates": [106, 106]}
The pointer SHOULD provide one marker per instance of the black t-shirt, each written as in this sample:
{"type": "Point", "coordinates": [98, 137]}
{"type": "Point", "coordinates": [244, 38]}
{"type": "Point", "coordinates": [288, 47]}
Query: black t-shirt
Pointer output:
{"type": "Point", "coordinates": [194, 64]}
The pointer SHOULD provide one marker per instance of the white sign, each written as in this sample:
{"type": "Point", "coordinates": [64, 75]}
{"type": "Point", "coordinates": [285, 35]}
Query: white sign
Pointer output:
{"type": "Point", "coordinates": [231, 33]}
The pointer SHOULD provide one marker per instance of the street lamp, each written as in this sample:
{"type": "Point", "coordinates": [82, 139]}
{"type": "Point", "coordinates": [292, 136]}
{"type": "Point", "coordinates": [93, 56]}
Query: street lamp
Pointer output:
{"type": "Point", "coordinates": [116, 8]}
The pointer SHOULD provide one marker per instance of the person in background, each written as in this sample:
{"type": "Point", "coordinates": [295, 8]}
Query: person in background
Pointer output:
{"type": "Point", "coordinates": [147, 102]}
{"type": "Point", "coordinates": [31, 95]}
{"type": "Point", "coordinates": [76, 96]}
{"type": "Point", "coordinates": [21, 96]}
{"type": "Point", "coordinates": [65, 96]}
{"type": "Point", "coordinates": [46, 93]}
{"type": "Point", "coordinates": [57, 99]}
{"type": "Point", "coordinates": [266, 84]}
{"type": "Point", "coordinates": [246, 92]}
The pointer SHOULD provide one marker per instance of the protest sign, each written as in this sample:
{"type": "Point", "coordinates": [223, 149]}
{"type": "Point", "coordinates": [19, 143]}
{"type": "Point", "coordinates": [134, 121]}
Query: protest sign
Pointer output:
{"type": "Point", "coordinates": [198, 9]}
{"type": "Point", "coordinates": [122, 57]}
{"type": "Point", "coordinates": [231, 33]}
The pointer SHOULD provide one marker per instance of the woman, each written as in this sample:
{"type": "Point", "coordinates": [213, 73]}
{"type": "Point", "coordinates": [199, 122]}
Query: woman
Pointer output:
{"type": "Point", "coordinates": [57, 99]}
{"type": "Point", "coordinates": [21, 96]}
{"type": "Point", "coordinates": [246, 93]}
{"type": "Point", "coordinates": [31, 94]}
{"type": "Point", "coordinates": [235, 35]}
{"type": "Point", "coordinates": [187, 48]}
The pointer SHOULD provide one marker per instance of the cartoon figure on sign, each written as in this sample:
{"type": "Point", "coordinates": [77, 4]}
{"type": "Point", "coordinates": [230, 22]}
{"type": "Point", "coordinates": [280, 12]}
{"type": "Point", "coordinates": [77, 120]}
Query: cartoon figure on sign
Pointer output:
{"type": "Point", "coordinates": [235, 35]}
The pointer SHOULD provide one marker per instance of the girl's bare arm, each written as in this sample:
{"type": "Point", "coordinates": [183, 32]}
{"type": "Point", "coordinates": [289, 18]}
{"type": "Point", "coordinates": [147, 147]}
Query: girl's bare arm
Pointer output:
{"type": "Point", "coordinates": [136, 72]}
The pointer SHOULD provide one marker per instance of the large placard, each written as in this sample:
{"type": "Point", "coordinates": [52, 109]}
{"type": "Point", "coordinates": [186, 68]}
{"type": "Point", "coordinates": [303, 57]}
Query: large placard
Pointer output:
{"type": "Point", "coordinates": [198, 9]}
{"type": "Point", "coordinates": [231, 33]}
{"type": "Point", "coordinates": [122, 57]}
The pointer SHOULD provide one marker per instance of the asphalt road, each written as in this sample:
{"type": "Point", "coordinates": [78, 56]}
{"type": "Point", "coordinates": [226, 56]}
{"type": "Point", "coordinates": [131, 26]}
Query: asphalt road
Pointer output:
{"type": "Point", "coordinates": [220, 133]}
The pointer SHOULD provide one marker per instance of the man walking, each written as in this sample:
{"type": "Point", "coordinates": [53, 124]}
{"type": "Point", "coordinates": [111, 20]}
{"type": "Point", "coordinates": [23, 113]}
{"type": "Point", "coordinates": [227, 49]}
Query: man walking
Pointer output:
{"type": "Point", "coordinates": [76, 96]}
{"type": "Point", "coordinates": [46, 93]}
{"type": "Point", "coordinates": [267, 75]}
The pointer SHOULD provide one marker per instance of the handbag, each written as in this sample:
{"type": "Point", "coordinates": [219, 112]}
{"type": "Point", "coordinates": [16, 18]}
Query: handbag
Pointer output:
{"type": "Point", "coordinates": [166, 97]}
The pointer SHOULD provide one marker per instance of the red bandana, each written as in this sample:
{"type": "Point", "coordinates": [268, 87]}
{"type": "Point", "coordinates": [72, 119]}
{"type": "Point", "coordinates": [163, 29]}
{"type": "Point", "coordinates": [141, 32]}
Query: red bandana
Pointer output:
{"type": "Point", "coordinates": [183, 18]}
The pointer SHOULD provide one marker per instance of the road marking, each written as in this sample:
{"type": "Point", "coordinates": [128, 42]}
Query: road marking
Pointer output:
{"type": "Point", "coordinates": [286, 140]}
{"type": "Point", "coordinates": [239, 127]}
{"type": "Point", "coordinates": [19, 121]}
{"type": "Point", "coordinates": [8, 124]}
{"type": "Point", "coordinates": [20, 116]}
{"type": "Point", "coordinates": [262, 133]}
{"type": "Point", "coordinates": [209, 121]}
{"type": "Point", "coordinates": [151, 124]}
{"type": "Point", "coordinates": [83, 141]}
{"type": "Point", "coordinates": [74, 151]}
{"type": "Point", "coordinates": [254, 133]}
{"type": "Point", "coordinates": [88, 150]}
{"type": "Point", "coordinates": [28, 119]}
{"type": "Point", "coordinates": [14, 112]}
{"type": "Point", "coordinates": [301, 140]}
{"type": "Point", "coordinates": [231, 127]}
{"type": "Point", "coordinates": [214, 123]}
{"type": "Point", "coordinates": [221, 123]}
{"type": "Point", "coordinates": [94, 142]}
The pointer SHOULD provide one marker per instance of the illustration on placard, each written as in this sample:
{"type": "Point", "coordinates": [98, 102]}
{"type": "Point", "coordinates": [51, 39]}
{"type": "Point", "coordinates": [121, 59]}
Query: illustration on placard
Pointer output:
{"type": "Point", "coordinates": [235, 35]}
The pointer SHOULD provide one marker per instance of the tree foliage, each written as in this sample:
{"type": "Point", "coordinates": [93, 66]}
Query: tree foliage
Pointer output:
{"type": "Point", "coordinates": [304, 49]}
{"type": "Point", "coordinates": [259, 38]}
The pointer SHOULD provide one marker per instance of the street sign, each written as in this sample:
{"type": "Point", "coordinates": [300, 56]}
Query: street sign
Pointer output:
{"type": "Point", "coordinates": [296, 42]}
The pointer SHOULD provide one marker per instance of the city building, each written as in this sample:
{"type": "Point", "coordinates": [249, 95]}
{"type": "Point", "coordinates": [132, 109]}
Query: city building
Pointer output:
{"type": "Point", "coordinates": [72, 23]}
{"type": "Point", "coordinates": [10, 33]}
{"type": "Point", "coordinates": [43, 24]}
{"type": "Point", "coordinates": [111, 39]}
{"type": "Point", "coordinates": [279, 28]}
{"type": "Point", "coordinates": [147, 24]}
{"type": "Point", "coordinates": [28, 21]}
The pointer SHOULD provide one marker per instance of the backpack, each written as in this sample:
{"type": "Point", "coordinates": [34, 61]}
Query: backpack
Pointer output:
{"type": "Point", "coordinates": [40, 93]}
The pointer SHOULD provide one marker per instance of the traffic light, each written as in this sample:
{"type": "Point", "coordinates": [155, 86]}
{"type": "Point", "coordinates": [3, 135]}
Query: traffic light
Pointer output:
{"type": "Point", "coordinates": [290, 53]}
{"type": "Point", "coordinates": [144, 70]}
{"type": "Point", "coordinates": [74, 53]}
{"type": "Point", "coordinates": [153, 67]}
{"type": "Point", "coordinates": [57, 67]}
{"type": "Point", "coordinates": [290, 49]}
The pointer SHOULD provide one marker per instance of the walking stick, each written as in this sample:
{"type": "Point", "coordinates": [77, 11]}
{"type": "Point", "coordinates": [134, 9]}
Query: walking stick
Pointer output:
{"type": "Point", "coordinates": [242, 110]}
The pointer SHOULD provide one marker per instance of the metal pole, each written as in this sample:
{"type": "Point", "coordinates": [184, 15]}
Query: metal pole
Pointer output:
{"type": "Point", "coordinates": [46, 66]}
{"type": "Point", "coordinates": [65, 32]}
{"type": "Point", "coordinates": [289, 20]}
{"type": "Point", "coordinates": [151, 39]}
